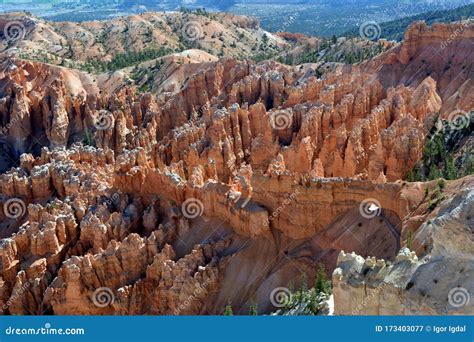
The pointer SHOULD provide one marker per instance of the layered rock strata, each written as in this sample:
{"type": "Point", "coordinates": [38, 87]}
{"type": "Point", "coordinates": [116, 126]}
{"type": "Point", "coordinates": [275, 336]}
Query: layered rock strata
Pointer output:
{"type": "Point", "coordinates": [249, 174]}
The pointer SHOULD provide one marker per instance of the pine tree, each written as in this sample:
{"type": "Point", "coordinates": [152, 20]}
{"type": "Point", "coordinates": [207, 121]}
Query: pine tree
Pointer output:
{"type": "Point", "coordinates": [70, 52]}
{"type": "Point", "coordinates": [228, 310]}
{"type": "Point", "coordinates": [313, 301]}
{"type": "Point", "coordinates": [450, 171]}
{"type": "Point", "coordinates": [441, 184]}
{"type": "Point", "coordinates": [322, 285]}
{"type": "Point", "coordinates": [253, 311]}
{"type": "Point", "coordinates": [299, 295]}
{"type": "Point", "coordinates": [264, 44]}
{"type": "Point", "coordinates": [434, 172]}
{"type": "Point", "coordinates": [410, 176]}
{"type": "Point", "coordinates": [304, 282]}
{"type": "Point", "coordinates": [87, 138]}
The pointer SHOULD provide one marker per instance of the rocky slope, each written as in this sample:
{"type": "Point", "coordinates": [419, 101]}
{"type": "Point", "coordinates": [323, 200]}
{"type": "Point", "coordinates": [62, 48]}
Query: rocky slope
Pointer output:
{"type": "Point", "coordinates": [71, 43]}
{"type": "Point", "coordinates": [228, 185]}
{"type": "Point", "coordinates": [439, 283]}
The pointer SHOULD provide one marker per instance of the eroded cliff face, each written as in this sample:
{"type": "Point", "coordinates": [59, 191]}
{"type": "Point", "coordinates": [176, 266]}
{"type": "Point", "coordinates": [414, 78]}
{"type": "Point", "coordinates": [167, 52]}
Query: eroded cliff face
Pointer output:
{"type": "Point", "coordinates": [244, 179]}
{"type": "Point", "coordinates": [442, 52]}
{"type": "Point", "coordinates": [438, 283]}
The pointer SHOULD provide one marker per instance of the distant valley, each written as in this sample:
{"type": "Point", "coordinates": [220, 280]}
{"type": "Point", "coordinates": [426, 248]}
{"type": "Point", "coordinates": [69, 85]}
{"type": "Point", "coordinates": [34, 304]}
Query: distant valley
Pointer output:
{"type": "Point", "coordinates": [315, 17]}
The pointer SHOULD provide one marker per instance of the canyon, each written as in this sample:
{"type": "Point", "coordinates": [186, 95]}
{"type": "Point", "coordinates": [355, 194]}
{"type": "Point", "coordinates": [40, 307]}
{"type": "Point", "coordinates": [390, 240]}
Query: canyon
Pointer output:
{"type": "Point", "coordinates": [235, 178]}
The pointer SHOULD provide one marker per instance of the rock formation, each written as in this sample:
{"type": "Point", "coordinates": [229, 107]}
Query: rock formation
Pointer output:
{"type": "Point", "coordinates": [234, 183]}
{"type": "Point", "coordinates": [440, 283]}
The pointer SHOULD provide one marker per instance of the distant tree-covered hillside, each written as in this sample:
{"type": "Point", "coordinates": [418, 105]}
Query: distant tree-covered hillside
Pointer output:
{"type": "Point", "coordinates": [394, 30]}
